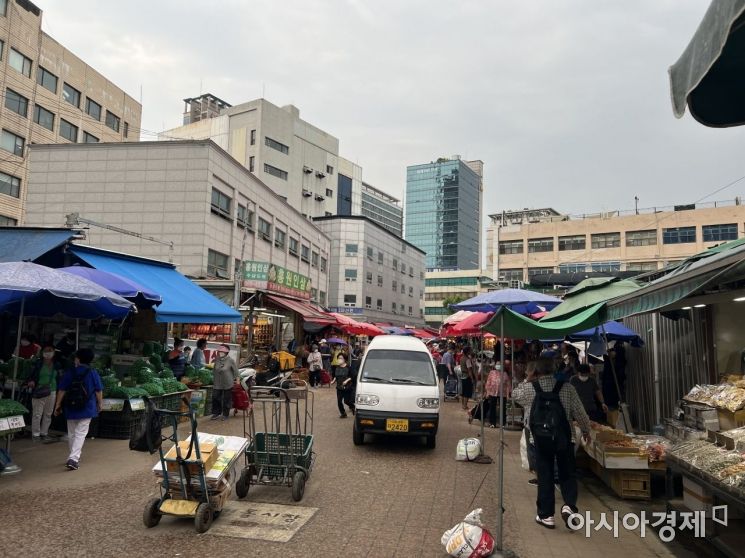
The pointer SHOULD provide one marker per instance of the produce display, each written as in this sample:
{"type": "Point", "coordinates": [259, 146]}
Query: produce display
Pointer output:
{"type": "Point", "coordinates": [11, 408]}
{"type": "Point", "coordinates": [153, 388]}
{"type": "Point", "coordinates": [727, 466]}
{"type": "Point", "coordinates": [156, 361]}
{"type": "Point", "coordinates": [24, 368]}
{"type": "Point", "coordinates": [172, 386]}
{"type": "Point", "coordinates": [121, 392]}
{"type": "Point", "coordinates": [142, 371]}
{"type": "Point", "coordinates": [203, 376]}
{"type": "Point", "coordinates": [723, 396]}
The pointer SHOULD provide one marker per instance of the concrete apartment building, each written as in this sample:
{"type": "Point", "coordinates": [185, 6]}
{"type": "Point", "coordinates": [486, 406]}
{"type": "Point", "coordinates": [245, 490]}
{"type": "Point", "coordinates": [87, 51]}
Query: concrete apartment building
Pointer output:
{"type": "Point", "coordinates": [441, 285]}
{"type": "Point", "coordinates": [443, 212]}
{"type": "Point", "coordinates": [296, 159]}
{"type": "Point", "coordinates": [190, 193]}
{"type": "Point", "coordinates": [374, 275]}
{"type": "Point", "coordinates": [531, 242]}
{"type": "Point", "coordinates": [50, 96]}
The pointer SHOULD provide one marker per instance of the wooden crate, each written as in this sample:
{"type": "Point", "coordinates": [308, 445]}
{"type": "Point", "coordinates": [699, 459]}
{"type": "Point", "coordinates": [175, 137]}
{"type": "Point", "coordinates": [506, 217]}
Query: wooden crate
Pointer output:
{"type": "Point", "coordinates": [631, 484]}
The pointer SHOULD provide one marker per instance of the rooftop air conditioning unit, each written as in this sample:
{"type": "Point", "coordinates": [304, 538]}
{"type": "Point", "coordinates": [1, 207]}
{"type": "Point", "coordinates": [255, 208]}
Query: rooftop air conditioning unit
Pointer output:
{"type": "Point", "coordinates": [307, 170]}
{"type": "Point", "coordinates": [307, 193]}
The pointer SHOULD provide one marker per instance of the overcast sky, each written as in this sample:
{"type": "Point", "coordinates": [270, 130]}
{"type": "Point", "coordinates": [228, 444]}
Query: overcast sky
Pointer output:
{"type": "Point", "coordinates": [566, 102]}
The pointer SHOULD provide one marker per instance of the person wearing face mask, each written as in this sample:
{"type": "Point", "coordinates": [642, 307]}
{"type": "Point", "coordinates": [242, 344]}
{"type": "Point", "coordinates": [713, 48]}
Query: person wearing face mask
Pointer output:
{"type": "Point", "coordinates": [225, 375]}
{"type": "Point", "coordinates": [43, 385]}
{"type": "Point", "coordinates": [589, 393]}
{"type": "Point", "coordinates": [344, 386]}
{"type": "Point", "coordinates": [28, 347]}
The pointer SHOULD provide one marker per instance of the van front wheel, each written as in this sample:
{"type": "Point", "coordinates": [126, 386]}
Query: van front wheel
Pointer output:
{"type": "Point", "coordinates": [431, 441]}
{"type": "Point", "coordinates": [357, 437]}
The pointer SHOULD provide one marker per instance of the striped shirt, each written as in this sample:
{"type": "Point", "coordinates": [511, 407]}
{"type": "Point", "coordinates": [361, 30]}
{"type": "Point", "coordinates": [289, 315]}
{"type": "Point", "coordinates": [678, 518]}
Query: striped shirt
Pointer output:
{"type": "Point", "coordinates": [525, 393]}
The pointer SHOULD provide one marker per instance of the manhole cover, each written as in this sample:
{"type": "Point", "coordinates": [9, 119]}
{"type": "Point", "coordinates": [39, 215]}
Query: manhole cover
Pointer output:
{"type": "Point", "coordinates": [254, 520]}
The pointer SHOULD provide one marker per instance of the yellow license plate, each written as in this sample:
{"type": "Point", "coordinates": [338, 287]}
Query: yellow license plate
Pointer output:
{"type": "Point", "coordinates": [397, 425]}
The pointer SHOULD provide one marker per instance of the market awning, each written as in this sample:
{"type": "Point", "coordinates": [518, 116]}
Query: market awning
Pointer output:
{"type": "Point", "coordinates": [588, 293]}
{"type": "Point", "coordinates": [517, 326]}
{"type": "Point", "coordinates": [710, 74]}
{"type": "Point", "coordinates": [28, 244]}
{"type": "Point", "coordinates": [308, 313]}
{"type": "Point", "coordinates": [183, 301]}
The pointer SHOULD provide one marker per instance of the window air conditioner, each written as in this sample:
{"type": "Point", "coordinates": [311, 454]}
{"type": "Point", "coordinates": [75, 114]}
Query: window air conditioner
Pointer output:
{"type": "Point", "coordinates": [307, 193]}
{"type": "Point", "coordinates": [307, 170]}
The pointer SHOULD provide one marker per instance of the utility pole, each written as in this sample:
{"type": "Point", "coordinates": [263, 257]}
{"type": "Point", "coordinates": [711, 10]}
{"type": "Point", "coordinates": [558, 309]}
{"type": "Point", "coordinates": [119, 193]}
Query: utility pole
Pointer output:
{"type": "Point", "coordinates": [636, 204]}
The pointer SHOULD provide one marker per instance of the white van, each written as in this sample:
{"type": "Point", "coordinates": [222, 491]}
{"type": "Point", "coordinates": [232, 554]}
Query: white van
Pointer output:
{"type": "Point", "coordinates": [397, 390]}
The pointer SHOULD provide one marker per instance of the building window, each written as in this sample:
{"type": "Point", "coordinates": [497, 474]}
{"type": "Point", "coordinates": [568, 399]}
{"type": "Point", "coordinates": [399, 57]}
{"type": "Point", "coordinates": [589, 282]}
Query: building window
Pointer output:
{"type": "Point", "coordinates": [370, 253]}
{"type": "Point", "coordinates": [350, 301]}
{"type": "Point", "coordinates": [533, 271]}
{"type": "Point", "coordinates": [379, 304]}
{"type": "Point", "coordinates": [220, 203]}
{"type": "Point", "coordinates": [403, 268]}
{"type": "Point", "coordinates": [541, 245]}
{"type": "Point", "coordinates": [13, 143]}
{"type": "Point", "coordinates": [68, 131]}
{"type": "Point", "coordinates": [305, 253]}
{"type": "Point", "coordinates": [324, 262]}
{"type": "Point", "coordinates": [380, 280]}
{"type": "Point", "coordinates": [19, 62]}
{"type": "Point", "coordinates": [71, 95]}
{"type": "Point", "coordinates": [368, 302]}
{"type": "Point", "coordinates": [16, 102]}
{"type": "Point", "coordinates": [253, 137]}
{"type": "Point", "coordinates": [112, 121]}
{"type": "Point", "coordinates": [329, 169]}
{"type": "Point", "coordinates": [93, 109]}
{"type": "Point", "coordinates": [713, 233]}
{"type": "Point", "coordinates": [3, 8]}
{"type": "Point", "coordinates": [641, 266]}
{"type": "Point", "coordinates": [274, 171]}
{"type": "Point", "coordinates": [274, 144]}
{"type": "Point", "coordinates": [411, 271]}
{"type": "Point", "coordinates": [43, 117]}
{"type": "Point", "coordinates": [322, 298]}
{"type": "Point", "coordinates": [394, 264]}
{"type": "Point", "coordinates": [567, 243]}
{"type": "Point", "coordinates": [294, 244]}
{"type": "Point", "coordinates": [368, 277]}
{"type": "Point", "coordinates": [7, 221]}
{"type": "Point", "coordinates": [327, 214]}
{"type": "Point", "coordinates": [403, 288]}
{"type": "Point", "coordinates": [511, 247]}
{"type": "Point", "coordinates": [402, 307]}
{"type": "Point", "coordinates": [125, 131]}
{"type": "Point", "coordinates": [46, 79]}
{"type": "Point", "coordinates": [10, 185]}
{"type": "Point", "coordinates": [329, 193]}
{"type": "Point", "coordinates": [572, 268]}
{"type": "Point", "coordinates": [606, 240]}
{"type": "Point", "coordinates": [679, 235]}
{"type": "Point", "coordinates": [411, 292]}
{"type": "Point", "coordinates": [279, 238]}
{"type": "Point", "coordinates": [89, 138]}
{"type": "Point", "coordinates": [394, 285]}
{"type": "Point", "coordinates": [410, 310]}
{"type": "Point", "coordinates": [265, 229]}
{"type": "Point", "coordinates": [244, 217]}
{"type": "Point", "coordinates": [313, 294]}
{"type": "Point", "coordinates": [351, 250]}
{"type": "Point", "coordinates": [217, 264]}
{"type": "Point", "coordinates": [314, 259]}
{"type": "Point", "coordinates": [2, 49]}
{"type": "Point", "coordinates": [605, 267]}
{"type": "Point", "coordinates": [509, 275]}
{"type": "Point", "coordinates": [350, 275]}
{"type": "Point", "coordinates": [380, 258]}
{"type": "Point", "coordinates": [641, 238]}
{"type": "Point", "coordinates": [451, 282]}
{"type": "Point", "coordinates": [393, 307]}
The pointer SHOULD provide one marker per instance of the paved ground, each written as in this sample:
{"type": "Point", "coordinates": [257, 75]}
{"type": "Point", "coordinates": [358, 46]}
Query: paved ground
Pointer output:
{"type": "Point", "coordinates": [386, 498]}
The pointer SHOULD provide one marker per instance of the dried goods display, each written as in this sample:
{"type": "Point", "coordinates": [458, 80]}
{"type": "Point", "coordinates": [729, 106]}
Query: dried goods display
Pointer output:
{"type": "Point", "coordinates": [723, 396]}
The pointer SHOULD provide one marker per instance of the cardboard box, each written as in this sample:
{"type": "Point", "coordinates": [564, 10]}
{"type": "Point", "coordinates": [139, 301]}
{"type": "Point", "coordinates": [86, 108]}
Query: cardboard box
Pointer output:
{"type": "Point", "coordinates": [729, 420]}
{"type": "Point", "coordinates": [606, 435]}
{"type": "Point", "coordinates": [208, 452]}
{"type": "Point", "coordinates": [696, 497]}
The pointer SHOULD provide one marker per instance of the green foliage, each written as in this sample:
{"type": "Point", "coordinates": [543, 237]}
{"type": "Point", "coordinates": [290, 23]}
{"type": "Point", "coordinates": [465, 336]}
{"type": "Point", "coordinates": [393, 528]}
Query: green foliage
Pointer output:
{"type": "Point", "coordinates": [450, 300]}
{"type": "Point", "coordinates": [10, 408]}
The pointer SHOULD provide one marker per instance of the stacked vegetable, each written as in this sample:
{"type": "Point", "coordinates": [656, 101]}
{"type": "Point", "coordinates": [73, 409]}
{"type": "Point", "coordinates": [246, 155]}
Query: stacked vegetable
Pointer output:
{"type": "Point", "coordinates": [11, 408]}
{"type": "Point", "coordinates": [143, 381]}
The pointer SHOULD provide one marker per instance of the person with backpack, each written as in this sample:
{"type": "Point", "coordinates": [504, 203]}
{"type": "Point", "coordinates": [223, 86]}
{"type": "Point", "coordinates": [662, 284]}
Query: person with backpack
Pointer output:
{"type": "Point", "coordinates": [551, 406]}
{"type": "Point", "coordinates": [80, 393]}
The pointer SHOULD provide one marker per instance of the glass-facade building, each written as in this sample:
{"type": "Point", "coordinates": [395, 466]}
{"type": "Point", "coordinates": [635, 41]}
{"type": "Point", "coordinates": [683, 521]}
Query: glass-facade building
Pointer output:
{"type": "Point", "coordinates": [442, 213]}
{"type": "Point", "coordinates": [383, 209]}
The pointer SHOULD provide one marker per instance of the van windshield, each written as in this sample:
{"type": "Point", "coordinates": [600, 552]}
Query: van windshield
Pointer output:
{"type": "Point", "coordinates": [398, 367]}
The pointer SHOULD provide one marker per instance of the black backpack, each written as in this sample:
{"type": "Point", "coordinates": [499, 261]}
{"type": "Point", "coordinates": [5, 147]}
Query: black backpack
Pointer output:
{"type": "Point", "coordinates": [548, 422]}
{"type": "Point", "coordinates": [77, 396]}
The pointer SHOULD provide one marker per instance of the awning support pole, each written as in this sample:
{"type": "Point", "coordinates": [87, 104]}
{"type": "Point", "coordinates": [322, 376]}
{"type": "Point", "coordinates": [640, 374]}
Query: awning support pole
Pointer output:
{"type": "Point", "coordinates": [656, 364]}
{"type": "Point", "coordinates": [626, 423]}
{"type": "Point", "coordinates": [500, 507]}
{"type": "Point", "coordinates": [18, 345]}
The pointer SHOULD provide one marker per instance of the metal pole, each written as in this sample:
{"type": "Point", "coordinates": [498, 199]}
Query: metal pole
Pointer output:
{"type": "Point", "coordinates": [483, 393]}
{"type": "Point", "coordinates": [656, 364]}
{"type": "Point", "coordinates": [615, 381]}
{"type": "Point", "coordinates": [500, 507]}
{"type": "Point", "coordinates": [77, 334]}
{"type": "Point", "coordinates": [18, 345]}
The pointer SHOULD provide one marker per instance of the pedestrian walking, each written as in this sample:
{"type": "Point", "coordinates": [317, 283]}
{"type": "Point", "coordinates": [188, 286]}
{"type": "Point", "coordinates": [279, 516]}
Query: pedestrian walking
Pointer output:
{"type": "Point", "coordinates": [315, 363]}
{"type": "Point", "coordinates": [225, 374]}
{"type": "Point", "coordinates": [589, 393]}
{"type": "Point", "coordinates": [447, 363]}
{"type": "Point", "coordinates": [468, 376]}
{"type": "Point", "coordinates": [43, 385]}
{"type": "Point", "coordinates": [497, 383]}
{"type": "Point", "coordinates": [325, 354]}
{"type": "Point", "coordinates": [344, 386]}
{"type": "Point", "coordinates": [551, 407]}
{"type": "Point", "coordinates": [80, 394]}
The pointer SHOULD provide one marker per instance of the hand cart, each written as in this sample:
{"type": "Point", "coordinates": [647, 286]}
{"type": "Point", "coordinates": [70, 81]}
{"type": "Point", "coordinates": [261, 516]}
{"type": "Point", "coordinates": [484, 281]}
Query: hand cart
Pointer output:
{"type": "Point", "coordinates": [281, 452]}
{"type": "Point", "coordinates": [186, 489]}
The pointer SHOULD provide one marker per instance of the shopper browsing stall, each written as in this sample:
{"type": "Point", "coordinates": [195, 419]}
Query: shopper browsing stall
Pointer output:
{"type": "Point", "coordinates": [43, 385]}
{"type": "Point", "coordinates": [28, 348]}
{"type": "Point", "coordinates": [176, 359]}
{"type": "Point", "coordinates": [589, 393]}
{"type": "Point", "coordinates": [80, 394]}
{"type": "Point", "coordinates": [197, 357]}
{"type": "Point", "coordinates": [225, 375]}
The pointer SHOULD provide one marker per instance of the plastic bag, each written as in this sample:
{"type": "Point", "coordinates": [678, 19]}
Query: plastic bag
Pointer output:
{"type": "Point", "coordinates": [468, 449]}
{"type": "Point", "coordinates": [468, 539]}
{"type": "Point", "coordinates": [524, 452]}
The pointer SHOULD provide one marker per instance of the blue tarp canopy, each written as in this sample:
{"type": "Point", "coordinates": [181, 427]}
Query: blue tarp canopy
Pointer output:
{"type": "Point", "coordinates": [614, 331]}
{"type": "Point", "coordinates": [26, 245]}
{"type": "Point", "coordinates": [183, 301]}
{"type": "Point", "coordinates": [517, 300]}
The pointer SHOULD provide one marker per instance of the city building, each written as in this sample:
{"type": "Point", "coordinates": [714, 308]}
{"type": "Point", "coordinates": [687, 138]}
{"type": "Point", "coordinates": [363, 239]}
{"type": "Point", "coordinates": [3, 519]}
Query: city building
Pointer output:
{"type": "Point", "coordinates": [526, 245]}
{"type": "Point", "coordinates": [187, 202]}
{"type": "Point", "coordinates": [382, 208]}
{"type": "Point", "coordinates": [442, 286]}
{"type": "Point", "coordinates": [50, 96]}
{"type": "Point", "coordinates": [374, 275]}
{"type": "Point", "coordinates": [443, 212]}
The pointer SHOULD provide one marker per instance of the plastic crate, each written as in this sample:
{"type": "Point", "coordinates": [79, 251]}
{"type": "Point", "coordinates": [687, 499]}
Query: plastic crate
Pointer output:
{"type": "Point", "coordinates": [286, 360]}
{"type": "Point", "coordinates": [173, 402]}
{"type": "Point", "coordinates": [119, 425]}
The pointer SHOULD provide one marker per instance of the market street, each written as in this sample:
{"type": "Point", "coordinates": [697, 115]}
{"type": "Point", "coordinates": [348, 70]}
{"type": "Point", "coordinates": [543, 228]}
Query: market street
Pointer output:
{"type": "Point", "coordinates": [386, 498]}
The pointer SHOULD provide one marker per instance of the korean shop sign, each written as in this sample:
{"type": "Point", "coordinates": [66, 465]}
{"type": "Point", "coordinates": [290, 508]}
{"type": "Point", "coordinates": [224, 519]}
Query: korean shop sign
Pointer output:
{"type": "Point", "coordinates": [270, 277]}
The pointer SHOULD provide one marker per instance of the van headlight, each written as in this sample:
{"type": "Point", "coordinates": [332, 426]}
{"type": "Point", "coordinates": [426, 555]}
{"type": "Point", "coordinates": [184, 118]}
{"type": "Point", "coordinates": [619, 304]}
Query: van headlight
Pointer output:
{"type": "Point", "coordinates": [367, 399]}
{"type": "Point", "coordinates": [428, 402]}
